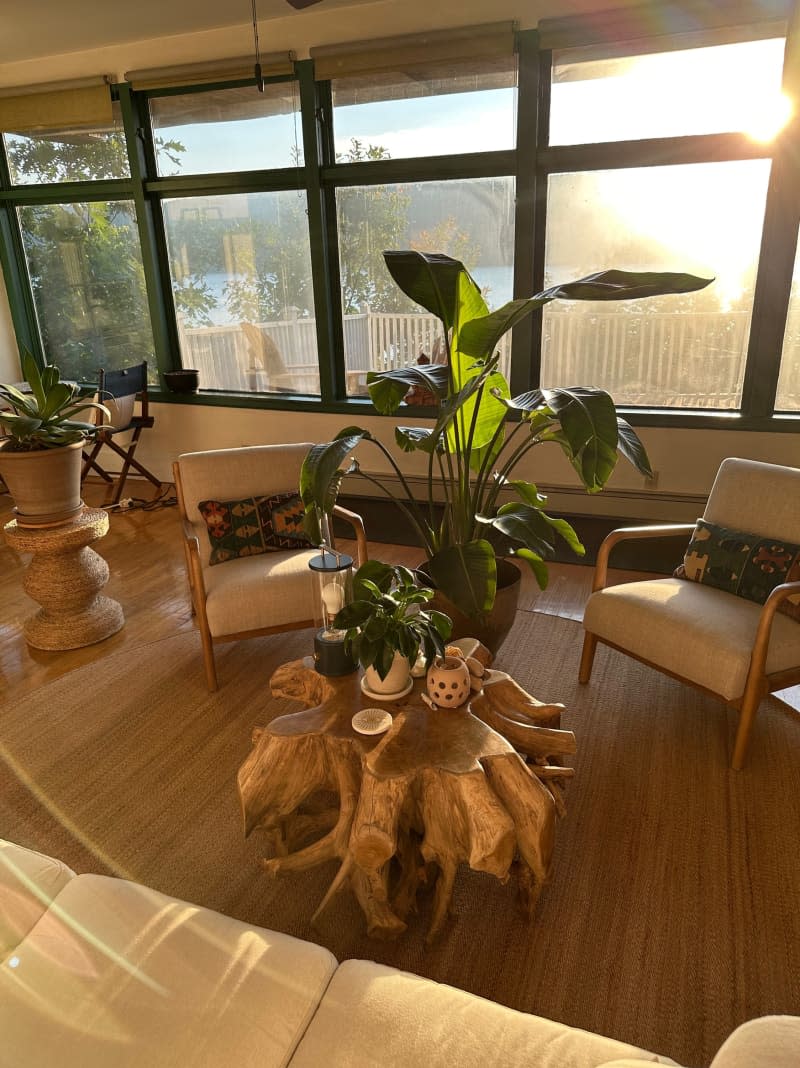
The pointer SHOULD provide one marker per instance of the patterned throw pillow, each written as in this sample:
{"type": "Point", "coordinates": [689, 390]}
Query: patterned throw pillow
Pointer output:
{"type": "Point", "coordinates": [254, 525]}
{"type": "Point", "coordinates": [746, 565]}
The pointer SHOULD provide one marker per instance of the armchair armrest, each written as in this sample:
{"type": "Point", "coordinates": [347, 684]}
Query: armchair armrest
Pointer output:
{"type": "Point", "coordinates": [660, 530]}
{"type": "Point", "coordinates": [357, 523]}
{"type": "Point", "coordinates": [190, 535]}
{"type": "Point", "coordinates": [768, 610]}
{"type": "Point", "coordinates": [194, 568]}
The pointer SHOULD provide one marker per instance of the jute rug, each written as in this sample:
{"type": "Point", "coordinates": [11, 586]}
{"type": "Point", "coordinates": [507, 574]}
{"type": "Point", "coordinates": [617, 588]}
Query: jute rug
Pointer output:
{"type": "Point", "coordinates": [672, 914]}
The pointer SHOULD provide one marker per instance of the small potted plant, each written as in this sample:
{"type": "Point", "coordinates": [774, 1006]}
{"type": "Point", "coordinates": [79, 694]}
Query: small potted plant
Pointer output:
{"type": "Point", "coordinates": [40, 450]}
{"type": "Point", "coordinates": [388, 627]}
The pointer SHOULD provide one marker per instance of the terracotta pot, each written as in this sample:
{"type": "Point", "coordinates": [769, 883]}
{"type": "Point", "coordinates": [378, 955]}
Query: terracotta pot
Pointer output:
{"type": "Point", "coordinates": [493, 630]}
{"type": "Point", "coordinates": [395, 682]}
{"type": "Point", "coordinates": [45, 483]}
{"type": "Point", "coordinates": [448, 682]}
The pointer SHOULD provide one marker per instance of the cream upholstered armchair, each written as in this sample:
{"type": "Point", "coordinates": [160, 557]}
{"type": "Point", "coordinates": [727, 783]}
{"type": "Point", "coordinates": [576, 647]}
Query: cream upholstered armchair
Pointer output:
{"type": "Point", "coordinates": [237, 589]}
{"type": "Point", "coordinates": [721, 643]}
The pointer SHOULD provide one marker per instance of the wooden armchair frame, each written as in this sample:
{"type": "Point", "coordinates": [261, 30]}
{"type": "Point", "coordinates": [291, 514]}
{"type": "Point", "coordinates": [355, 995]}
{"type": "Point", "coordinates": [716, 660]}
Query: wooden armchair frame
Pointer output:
{"type": "Point", "coordinates": [758, 683]}
{"type": "Point", "coordinates": [197, 588]}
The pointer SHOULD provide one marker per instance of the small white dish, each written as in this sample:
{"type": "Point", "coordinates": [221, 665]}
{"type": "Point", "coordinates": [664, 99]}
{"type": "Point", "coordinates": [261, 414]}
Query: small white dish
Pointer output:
{"type": "Point", "coordinates": [371, 721]}
{"type": "Point", "coordinates": [385, 696]}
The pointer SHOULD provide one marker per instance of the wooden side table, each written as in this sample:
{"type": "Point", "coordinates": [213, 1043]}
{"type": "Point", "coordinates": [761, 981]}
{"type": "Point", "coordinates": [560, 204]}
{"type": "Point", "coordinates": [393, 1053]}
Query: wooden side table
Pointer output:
{"type": "Point", "coordinates": [439, 789]}
{"type": "Point", "coordinates": [65, 577]}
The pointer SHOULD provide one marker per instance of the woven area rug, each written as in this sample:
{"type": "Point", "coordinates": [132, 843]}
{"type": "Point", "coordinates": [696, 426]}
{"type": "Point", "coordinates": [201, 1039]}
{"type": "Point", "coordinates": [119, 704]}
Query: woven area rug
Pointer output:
{"type": "Point", "coordinates": [671, 916]}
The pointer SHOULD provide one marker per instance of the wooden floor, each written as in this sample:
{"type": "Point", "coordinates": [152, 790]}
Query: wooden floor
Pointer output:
{"type": "Point", "coordinates": [147, 577]}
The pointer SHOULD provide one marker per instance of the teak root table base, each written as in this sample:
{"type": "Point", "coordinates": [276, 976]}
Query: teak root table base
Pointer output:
{"type": "Point", "coordinates": [65, 577]}
{"type": "Point", "coordinates": [440, 788]}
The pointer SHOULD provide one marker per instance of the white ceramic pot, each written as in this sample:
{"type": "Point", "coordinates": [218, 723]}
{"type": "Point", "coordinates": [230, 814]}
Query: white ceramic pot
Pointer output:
{"type": "Point", "coordinates": [395, 682]}
{"type": "Point", "coordinates": [448, 682]}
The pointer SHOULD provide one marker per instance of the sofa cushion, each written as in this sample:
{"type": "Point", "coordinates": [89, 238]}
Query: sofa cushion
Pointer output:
{"type": "Point", "coordinates": [747, 565]}
{"type": "Point", "coordinates": [117, 974]}
{"type": "Point", "coordinates": [28, 883]}
{"type": "Point", "coordinates": [768, 1042]}
{"type": "Point", "coordinates": [693, 631]}
{"type": "Point", "coordinates": [253, 525]}
{"type": "Point", "coordinates": [376, 1016]}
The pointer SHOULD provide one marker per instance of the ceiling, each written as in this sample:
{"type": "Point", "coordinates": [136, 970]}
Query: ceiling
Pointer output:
{"type": "Point", "coordinates": [33, 28]}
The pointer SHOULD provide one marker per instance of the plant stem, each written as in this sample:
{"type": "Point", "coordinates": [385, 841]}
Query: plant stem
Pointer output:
{"type": "Point", "coordinates": [512, 461]}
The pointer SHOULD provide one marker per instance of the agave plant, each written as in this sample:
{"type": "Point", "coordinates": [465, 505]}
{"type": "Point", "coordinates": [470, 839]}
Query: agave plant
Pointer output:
{"type": "Point", "coordinates": [481, 433]}
{"type": "Point", "coordinates": [45, 417]}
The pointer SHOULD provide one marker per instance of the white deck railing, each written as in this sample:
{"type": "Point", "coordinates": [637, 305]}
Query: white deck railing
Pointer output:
{"type": "Point", "coordinates": [661, 359]}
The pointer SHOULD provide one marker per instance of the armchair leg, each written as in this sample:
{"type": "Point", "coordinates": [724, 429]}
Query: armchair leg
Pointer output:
{"type": "Point", "coordinates": [587, 657]}
{"type": "Point", "coordinates": [208, 660]}
{"type": "Point", "coordinates": [753, 693]}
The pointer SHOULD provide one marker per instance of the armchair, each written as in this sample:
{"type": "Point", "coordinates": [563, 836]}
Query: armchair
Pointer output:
{"type": "Point", "coordinates": [720, 643]}
{"type": "Point", "coordinates": [252, 594]}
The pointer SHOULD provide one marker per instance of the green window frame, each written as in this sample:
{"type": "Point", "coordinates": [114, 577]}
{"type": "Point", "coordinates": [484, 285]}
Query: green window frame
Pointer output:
{"type": "Point", "coordinates": [530, 164]}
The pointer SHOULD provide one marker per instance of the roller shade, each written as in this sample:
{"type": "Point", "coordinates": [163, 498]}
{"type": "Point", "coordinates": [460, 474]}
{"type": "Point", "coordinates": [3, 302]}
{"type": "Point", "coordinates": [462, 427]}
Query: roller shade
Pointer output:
{"type": "Point", "coordinates": [56, 106]}
{"type": "Point", "coordinates": [665, 27]}
{"type": "Point", "coordinates": [438, 48]}
{"type": "Point", "coordinates": [277, 64]}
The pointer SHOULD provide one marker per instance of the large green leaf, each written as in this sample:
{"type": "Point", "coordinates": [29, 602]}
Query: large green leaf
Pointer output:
{"type": "Point", "coordinates": [467, 575]}
{"type": "Point", "coordinates": [627, 285]}
{"type": "Point", "coordinates": [588, 431]}
{"type": "Point", "coordinates": [387, 389]}
{"type": "Point", "coordinates": [431, 279]}
{"type": "Point", "coordinates": [631, 447]}
{"type": "Point", "coordinates": [30, 370]}
{"type": "Point", "coordinates": [321, 475]}
{"type": "Point", "coordinates": [536, 564]}
{"type": "Point", "coordinates": [481, 336]}
{"type": "Point", "coordinates": [527, 492]}
{"type": "Point", "coordinates": [417, 438]}
{"type": "Point", "coordinates": [516, 528]}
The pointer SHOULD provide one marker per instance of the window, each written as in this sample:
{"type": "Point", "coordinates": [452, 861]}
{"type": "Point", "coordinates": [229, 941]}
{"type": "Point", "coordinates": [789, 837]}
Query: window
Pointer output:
{"type": "Point", "coordinates": [421, 112]}
{"type": "Point", "coordinates": [68, 155]}
{"type": "Point", "coordinates": [206, 224]}
{"type": "Point", "coordinates": [86, 274]}
{"type": "Point", "coordinates": [470, 219]}
{"type": "Point", "coordinates": [714, 89]}
{"type": "Point", "coordinates": [227, 130]}
{"type": "Point", "coordinates": [788, 398]}
{"type": "Point", "coordinates": [667, 352]}
{"type": "Point", "coordinates": [241, 281]}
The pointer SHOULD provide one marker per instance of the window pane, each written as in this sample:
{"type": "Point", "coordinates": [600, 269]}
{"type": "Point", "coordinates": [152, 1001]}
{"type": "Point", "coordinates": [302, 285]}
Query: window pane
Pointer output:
{"type": "Point", "coordinates": [425, 113]}
{"type": "Point", "coordinates": [673, 351]}
{"type": "Point", "coordinates": [724, 88]}
{"type": "Point", "coordinates": [228, 130]}
{"type": "Point", "coordinates": [88, 285]}
{"type": "Point", "coordinates": [68, 155]}
{"type": "Point", "coordinates": [241, 279]}
{"type": "Point", "coordinates": [788, 398]}
{"type": "Point", "coordinates": [471, 219]}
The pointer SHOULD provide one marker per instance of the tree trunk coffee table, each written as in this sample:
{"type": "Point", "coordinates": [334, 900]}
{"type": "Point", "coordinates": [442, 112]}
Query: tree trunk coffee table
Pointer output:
{"type": "Point", "coordinates": [480, 785]}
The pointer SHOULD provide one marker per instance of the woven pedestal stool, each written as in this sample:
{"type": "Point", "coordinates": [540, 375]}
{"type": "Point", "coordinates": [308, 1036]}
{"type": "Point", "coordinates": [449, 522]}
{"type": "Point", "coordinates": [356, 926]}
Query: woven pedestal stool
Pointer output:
{"type": "Point", "coordinates": [65, 577]}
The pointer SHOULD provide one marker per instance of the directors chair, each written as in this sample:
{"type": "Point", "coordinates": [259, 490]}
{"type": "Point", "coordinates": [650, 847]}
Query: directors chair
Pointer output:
{"type": "Point", "coordinates": [118, 390]}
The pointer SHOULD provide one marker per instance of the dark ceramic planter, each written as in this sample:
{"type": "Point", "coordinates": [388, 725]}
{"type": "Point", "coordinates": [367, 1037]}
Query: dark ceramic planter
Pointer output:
{"type": "Point", "coordinates": [185, 381]}
{"type": "Point", "coordinates": [493, 630]}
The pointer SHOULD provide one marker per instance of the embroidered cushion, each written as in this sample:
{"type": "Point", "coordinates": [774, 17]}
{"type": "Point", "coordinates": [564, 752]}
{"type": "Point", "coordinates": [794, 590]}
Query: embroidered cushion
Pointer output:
{"type": "Point", "coordinates": [254, 525]}
{"type": "Point", "coordinates": [746, 565]}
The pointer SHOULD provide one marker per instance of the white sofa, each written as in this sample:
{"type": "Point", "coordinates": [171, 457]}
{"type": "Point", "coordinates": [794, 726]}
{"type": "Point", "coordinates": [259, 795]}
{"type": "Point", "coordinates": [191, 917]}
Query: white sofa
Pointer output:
{"type": "Point", "coordinates": [96, 971]}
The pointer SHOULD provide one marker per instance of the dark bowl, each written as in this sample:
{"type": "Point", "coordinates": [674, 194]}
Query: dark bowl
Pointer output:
{"type": "Point", "coordinates": [186, 381]}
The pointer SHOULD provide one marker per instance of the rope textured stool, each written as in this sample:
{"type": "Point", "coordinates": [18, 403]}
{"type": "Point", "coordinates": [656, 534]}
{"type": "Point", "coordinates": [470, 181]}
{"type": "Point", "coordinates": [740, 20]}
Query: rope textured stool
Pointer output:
{"type": "Point", "coordinates": [65, 577]}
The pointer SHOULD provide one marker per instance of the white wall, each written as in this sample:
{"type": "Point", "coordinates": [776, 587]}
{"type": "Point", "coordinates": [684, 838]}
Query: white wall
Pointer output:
{"type": "Point", "coordinates": [684, 459]}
